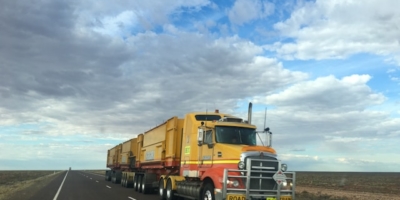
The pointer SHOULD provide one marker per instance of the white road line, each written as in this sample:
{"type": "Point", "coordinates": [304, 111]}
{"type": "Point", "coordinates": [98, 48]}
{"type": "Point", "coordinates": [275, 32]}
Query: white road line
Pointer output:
{"type": "Point", "coordinates": [108, 186]}
{"type": "Point", "coordinates": [90, 178]}
{"type": "Point", "coordinates": [131, 198]}
{"type": "Point", "coordinates": [97, 181]}
{"type": "Point", "coordinates": [59, 189]}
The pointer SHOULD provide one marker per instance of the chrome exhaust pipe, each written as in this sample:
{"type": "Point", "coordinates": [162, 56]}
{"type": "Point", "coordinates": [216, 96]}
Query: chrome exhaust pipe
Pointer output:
{"type": "Point", "coordinates": [249, 113]}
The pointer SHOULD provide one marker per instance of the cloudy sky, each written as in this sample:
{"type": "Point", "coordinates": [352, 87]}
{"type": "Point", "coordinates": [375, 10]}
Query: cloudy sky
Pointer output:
{"type": "Point", "coordinates": [79, 77]}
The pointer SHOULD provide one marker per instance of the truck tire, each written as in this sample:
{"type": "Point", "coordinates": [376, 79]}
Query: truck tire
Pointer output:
{"type": "Point", "coordinates": [208, 192]}
{"type": "Point", "coordinates": [170, 194]}
{"type": "Point", "coordinates": [143, 184]}
{"type": "Point", "coordinates": [139, 184]}
{"type": "Point", "coordinates": [113, 177]}
{"type": "Point", "coordinates": [123, 180]}
{"type": "Point", "coordinates": [135, 182]}
{"type": "Point", "coordinates": [161, 189]}
{"type": "Point", "coordinates": [118, 175]}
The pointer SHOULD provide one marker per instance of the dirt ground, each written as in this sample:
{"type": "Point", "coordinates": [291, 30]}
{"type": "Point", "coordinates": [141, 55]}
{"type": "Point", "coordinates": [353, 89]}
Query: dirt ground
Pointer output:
{"type": "Point", "coordinates": [353, 195]}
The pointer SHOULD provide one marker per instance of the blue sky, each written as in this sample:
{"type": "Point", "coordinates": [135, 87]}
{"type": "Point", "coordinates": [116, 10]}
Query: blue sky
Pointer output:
{"type": "Point", "coordinates": [79, 77]}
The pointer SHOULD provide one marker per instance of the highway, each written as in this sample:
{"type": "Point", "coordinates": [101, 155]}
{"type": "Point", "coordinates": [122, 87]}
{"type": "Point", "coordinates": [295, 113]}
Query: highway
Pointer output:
{"type": "Point", "coordinates": [79, 185]}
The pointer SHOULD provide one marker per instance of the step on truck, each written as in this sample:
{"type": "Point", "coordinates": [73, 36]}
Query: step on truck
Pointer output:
{"type": "Point", "coordinates": [202, 156]}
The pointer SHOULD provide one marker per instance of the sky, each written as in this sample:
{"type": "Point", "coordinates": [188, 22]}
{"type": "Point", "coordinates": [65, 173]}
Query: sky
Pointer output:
{"type": "Point", "coordinates": [79, 77]}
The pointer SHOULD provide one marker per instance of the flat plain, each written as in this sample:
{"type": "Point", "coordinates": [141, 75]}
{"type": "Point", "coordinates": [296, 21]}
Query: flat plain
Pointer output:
{"type": "Point", "coordinates": [348, 185]}
{"type": "Point", "coordinates": [310, 185]}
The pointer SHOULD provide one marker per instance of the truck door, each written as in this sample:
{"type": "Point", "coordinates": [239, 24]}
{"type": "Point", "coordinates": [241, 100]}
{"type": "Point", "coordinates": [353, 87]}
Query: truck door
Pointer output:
{"type": "Point", "coordinates": [207, 150]}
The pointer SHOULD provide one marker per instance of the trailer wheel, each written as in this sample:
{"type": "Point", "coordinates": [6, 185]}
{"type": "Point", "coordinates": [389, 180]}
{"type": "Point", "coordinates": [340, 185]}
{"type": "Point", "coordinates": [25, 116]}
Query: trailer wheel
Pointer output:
{"type": "Point", "coordinates": [113, 177]}
{"type": "Point", "coordinates": [161, 189]}
{"type": "Point", "coordinates": [208, 192]}
{"type": "Point", "coordinates": [123, 181]}
{"type": "Point", "coordinates": [135, 182]}
{"type": "Point", "coordinates": [139, 186]}
{"type": "Point", "coordinates": [170, 194]}
{"type": "Point", "coordinates": [143, 185]}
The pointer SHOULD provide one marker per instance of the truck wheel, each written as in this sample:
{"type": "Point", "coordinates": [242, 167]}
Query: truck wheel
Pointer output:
{"type": "Point", "coordinates": [143, 185]}
{"type": "Point", "coordinates": [123, 181]}
{"type": "Point", "coordinates": [118, 175]}
{"type": "Point", "coordinates": [139, 184]}
{"type": "Point", "coordinates": [112, 177]}
{"type": "Point", "coordinates": [161, 189]}
{"type": "Point", "coordinates": [135, 182]}
{"type": "Point", "coordinates": [208, 192]}
{"type": "Point", "coordinates": [170, 193]}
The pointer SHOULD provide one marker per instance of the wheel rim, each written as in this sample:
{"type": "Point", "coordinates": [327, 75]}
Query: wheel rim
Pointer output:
{"type": "Point", "coordinates": [161, 186]}
{"type": "Point", "coordinates": [143, 185]}
{"type": "Point", "coordinates": [139, 183]}
{"type": "Point", "coordinates": [207, 195]}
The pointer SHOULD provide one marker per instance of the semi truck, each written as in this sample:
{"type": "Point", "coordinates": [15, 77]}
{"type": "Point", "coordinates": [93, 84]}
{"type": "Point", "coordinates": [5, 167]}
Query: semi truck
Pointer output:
{"type": "Point", "coordinates": [205, 155]}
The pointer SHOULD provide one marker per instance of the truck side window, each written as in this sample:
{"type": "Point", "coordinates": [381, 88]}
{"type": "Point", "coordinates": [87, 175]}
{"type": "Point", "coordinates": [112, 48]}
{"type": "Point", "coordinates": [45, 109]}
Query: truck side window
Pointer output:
{"type": "Point", "coordinates": [208, 137]}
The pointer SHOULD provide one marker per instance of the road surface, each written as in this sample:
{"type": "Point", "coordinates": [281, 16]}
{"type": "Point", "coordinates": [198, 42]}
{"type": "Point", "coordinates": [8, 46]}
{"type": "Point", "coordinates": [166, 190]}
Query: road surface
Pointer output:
{"type": "Point", "coordinates": [80, 185]}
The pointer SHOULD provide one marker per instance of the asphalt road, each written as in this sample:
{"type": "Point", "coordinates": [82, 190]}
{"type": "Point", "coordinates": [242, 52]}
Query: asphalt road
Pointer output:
{"type": "Point", "coordinates": [79, 185]}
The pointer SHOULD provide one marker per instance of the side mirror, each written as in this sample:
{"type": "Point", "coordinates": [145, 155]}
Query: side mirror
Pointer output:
{"type": "Point", "coordinates": [200, 134]}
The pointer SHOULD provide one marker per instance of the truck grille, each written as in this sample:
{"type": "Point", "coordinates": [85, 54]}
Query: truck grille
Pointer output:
{"type": "Point", "coordinates": [258, 180]}
{"type": "Point", "coordinates": [261, 172]}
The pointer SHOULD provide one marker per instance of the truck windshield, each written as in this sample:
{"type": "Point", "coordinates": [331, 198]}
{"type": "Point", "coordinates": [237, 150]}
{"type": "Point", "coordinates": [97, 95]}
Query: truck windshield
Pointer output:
{"type": "Point", "coordinates": [235, 135]}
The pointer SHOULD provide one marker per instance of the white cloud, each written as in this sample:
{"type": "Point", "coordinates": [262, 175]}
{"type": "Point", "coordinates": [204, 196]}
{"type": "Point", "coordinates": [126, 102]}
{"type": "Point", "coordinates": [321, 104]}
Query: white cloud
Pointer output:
{"type": "Point", "coordinates": [338, 29]}
{"type": "Point", "coordinates": [244, 11]}
{"type": "Point", "coordinates": [328, 111]}
{"type": "Point", "coordinates": [328, 94]}
{"type": "Point", "coordinates": [119, 25]}
{"type": "Point", "coordinates": [123, 17]}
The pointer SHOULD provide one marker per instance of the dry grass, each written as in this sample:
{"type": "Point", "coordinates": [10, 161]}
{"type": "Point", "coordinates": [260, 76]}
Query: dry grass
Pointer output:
{"type": "Point", "coordinates": [13, 182]}
{"type": "Point", "coordinates": [347, 185]}
{"type": "Point", "coordinates": [373, 182]}
{"type": "Point", "coordinates": [100, 172]}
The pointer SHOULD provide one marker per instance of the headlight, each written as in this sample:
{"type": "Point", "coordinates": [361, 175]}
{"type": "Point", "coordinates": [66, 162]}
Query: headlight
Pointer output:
{"type": "Point", "coordinates": [284, 183]}
{"type": "Point", "coordinates": [287, 184]}
{"type": "Point", "coordinates": [284, 167]}
{"type": "Point", "coordinates": [234, 183]}
{"type": "Point", "coordinates": [241, 165]}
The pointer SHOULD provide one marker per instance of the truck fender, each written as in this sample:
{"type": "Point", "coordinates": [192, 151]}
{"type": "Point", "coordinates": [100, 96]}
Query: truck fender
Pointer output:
{"type": "Point", "coordinates": [174, 179]}
{"type": "Point", "coordinates": [216, 174]}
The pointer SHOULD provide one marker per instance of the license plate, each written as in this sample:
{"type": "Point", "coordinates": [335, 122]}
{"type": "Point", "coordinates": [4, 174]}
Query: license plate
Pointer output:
{"type": "Point", "coordinates": [235, 197]}
{"type": "Point", "coordinates": [282, 198]}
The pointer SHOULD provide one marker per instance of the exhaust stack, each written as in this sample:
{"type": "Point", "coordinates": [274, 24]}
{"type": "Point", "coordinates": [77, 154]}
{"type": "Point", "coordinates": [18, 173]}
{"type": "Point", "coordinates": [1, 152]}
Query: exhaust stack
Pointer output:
{"type": "Point", "coordinates": [249, 113]}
